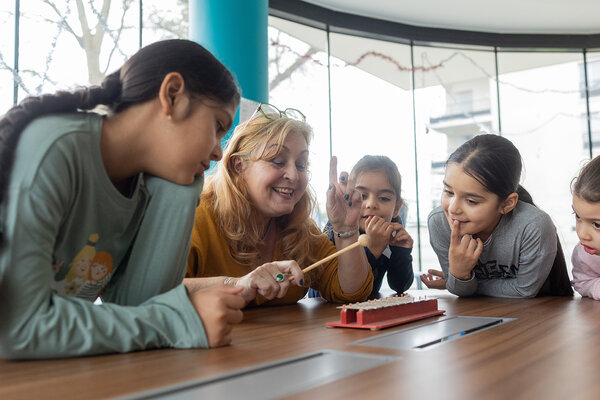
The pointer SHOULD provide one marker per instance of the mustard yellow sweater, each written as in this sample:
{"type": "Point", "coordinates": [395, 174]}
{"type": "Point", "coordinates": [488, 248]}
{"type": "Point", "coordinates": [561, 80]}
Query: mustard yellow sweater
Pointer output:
{"type": "Point", "coordinates": [210, 256]}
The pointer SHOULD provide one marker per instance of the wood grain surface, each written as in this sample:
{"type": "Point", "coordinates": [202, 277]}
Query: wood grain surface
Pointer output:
{"type": "Point", "coordinates": [551, 351]}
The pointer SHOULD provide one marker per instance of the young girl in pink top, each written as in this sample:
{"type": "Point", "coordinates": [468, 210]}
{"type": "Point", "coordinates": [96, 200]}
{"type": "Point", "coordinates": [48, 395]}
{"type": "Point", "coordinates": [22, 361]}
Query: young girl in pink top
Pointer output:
{"type": "Point", "coordinates": [586, 206]}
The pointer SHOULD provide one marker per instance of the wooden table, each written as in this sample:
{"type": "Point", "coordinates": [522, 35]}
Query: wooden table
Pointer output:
{"type": "Point", "coordinates": [551, 351]}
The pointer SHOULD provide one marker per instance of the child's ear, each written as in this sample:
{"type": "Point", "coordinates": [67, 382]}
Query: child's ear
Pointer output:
{"type": "Point", "coordinates": [397, 209]}
{"type": "Point", "coordinates": [171, 88]}
{"type": "Point", "coordinates": [509, 203]}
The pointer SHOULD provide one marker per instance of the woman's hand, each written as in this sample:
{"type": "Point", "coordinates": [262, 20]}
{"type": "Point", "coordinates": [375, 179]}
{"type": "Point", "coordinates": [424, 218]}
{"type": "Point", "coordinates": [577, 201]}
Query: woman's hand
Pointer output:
{"type": "Point", "coordinates": [434, 279]}
{"type": "Point", "coordinates": [263, 280]}
{"type": "Point", "coordinates": [463, 253]}
{"type": "Point", "coordinates": [343, 202]}
{"type": "Point", "coordinates": [219, 308]}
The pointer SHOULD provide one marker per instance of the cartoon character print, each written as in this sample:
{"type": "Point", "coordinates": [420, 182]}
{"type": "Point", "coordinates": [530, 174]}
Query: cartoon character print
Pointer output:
{"type": "Point", "coordinates": [99, 273]}
{"type": "Point", "coordinates": [86, 275]}
{"type": "Point", "coordinates": [69, 279]}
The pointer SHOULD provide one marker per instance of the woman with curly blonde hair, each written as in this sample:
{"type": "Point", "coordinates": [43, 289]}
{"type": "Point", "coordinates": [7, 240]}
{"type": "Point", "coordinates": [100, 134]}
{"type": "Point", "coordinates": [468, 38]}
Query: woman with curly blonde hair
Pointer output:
{"type": "Point", "coordinates": [255, 213]}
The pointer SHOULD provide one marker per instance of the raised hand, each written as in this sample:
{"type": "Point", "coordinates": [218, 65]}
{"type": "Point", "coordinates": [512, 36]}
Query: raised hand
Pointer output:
{"type": "Point", "coordinates": [343, 202]}
{"type": "Point", "coordinates": [463, 253]}
{"type": "Point", "coordinates": [219, 308]}
{"type": "Point", "coordinates": [264, 280]}
{"type": "Point", "coordinates": [434, 279]}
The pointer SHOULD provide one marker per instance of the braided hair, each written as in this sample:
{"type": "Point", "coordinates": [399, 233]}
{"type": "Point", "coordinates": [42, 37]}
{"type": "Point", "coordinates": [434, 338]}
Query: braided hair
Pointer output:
{"type": "Point", "coordinates": [137, 81]}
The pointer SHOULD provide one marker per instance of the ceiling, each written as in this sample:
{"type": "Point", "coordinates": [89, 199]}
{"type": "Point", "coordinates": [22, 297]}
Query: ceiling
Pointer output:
{"type": "Point", "coordinates": [506, 16]}
{"type": "Point", "coordinates": [551, 17]}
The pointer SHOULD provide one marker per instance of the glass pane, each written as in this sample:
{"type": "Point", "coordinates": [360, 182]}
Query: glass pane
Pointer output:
{"type": "Point", "coordinates": [455, 98]}
{"type": "Point", "coordinates": [372, 112]}
{"type": "Point", "coordinates": [593, 70]}
{"type": "Point", "coordinates": [164, 20]}
{"type": "Point", "coordinates": [7, 45]}
{"type": "Point", "coordinates": [544, 114]}
{"type": "Point", "coordinates": [60, 46]}
{"type": "Point", "coordinates": [298, 79]}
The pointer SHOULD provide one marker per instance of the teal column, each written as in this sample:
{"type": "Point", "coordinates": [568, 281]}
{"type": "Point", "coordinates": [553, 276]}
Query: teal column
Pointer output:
{"type": "Point", "coordinates": [235, 31]}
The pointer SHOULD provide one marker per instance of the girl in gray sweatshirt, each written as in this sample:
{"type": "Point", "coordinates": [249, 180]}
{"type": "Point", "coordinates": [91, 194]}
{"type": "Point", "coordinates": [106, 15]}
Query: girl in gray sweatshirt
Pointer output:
{"type": "Point", "coordinates": [488, 236]}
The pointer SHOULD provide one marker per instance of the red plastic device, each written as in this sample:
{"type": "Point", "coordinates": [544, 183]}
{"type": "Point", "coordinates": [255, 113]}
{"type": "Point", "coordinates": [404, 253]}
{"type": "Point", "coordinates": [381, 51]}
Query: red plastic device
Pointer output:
{"type": "Point", "coordinates": [383, 313]}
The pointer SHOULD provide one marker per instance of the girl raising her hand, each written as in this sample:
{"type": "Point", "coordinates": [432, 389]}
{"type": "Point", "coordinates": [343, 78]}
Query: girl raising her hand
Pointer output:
{"type": "Point", "coordinates": [378, 181]}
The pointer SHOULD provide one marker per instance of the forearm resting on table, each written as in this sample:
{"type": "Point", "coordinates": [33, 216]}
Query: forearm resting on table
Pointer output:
{"type": "Point", "coordinates": [194, 284]}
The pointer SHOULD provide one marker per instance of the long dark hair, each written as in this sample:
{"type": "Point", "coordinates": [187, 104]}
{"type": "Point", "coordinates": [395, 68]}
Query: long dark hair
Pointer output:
{"type": "Point", "coordinates": [137, 81]}
{"type": "Point", "coordinates": [496, 163]}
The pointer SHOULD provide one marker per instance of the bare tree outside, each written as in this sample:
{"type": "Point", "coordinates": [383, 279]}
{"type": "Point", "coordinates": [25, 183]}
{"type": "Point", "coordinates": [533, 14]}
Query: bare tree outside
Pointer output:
{"type": "Point", "coordinates": [92, 31]}
{"type": "Point", "coordinates": [106, 33]}
{"type": "Point", "coordinates": [283, 62]}
{"type": "Point", "coordinates": [171, 23]}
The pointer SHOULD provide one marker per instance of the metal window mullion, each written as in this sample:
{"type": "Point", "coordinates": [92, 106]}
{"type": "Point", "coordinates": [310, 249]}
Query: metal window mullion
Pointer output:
{"type": "Point", "coordinates": [141, 43]}
{"type": "Point", "coordinates": [498, 90]}
{"type": "Point", "coordinates": [414, 119]}
{"type": "Point", "coordinates": [16, 52]}
{"type": "Point", "coordinates": [329, 93]}
{"type": "Point", "coordinates": [587, 102]}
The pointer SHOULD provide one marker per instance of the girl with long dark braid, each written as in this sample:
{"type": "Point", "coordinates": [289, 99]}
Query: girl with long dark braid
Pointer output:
{"type": "Point", "coordinates": [102, 204]}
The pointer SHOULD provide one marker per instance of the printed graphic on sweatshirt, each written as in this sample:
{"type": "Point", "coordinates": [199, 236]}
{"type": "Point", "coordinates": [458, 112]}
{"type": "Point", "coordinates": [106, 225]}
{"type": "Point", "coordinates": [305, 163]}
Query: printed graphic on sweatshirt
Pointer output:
{"type": "Point", "coordinates": [86, 275]}
{"type": "Point", "coordinates": [491, 270]}
{"type": "Point", "coordinates": [98, 276]}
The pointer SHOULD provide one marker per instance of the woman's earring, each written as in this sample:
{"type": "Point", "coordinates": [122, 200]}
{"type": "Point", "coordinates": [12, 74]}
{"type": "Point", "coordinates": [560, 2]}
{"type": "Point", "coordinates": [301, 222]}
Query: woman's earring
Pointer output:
{"type": "Point", "coordinates": [169, 117]}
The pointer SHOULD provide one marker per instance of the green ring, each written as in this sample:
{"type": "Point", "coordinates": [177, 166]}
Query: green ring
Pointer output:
{"type": "Point", "coordinates": [279, 277]}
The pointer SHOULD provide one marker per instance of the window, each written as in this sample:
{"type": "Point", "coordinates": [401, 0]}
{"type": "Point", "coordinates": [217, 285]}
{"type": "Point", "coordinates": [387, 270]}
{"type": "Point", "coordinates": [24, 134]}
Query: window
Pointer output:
{"type": "Point", "coordinates": [298, 79]}
{"type": "Point", "coordinates": [7, 49]}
